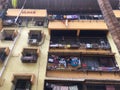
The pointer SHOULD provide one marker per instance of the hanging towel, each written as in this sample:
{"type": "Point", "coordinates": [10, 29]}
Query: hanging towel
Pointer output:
{"type": "Point", "coordinates": [73, 88]}
{"type": "Point", "coordinates": [57, 87]}
{"type": "Point", "coordinates": [110, 87]}
{"type": "Point", "coordinates": [64, 88]}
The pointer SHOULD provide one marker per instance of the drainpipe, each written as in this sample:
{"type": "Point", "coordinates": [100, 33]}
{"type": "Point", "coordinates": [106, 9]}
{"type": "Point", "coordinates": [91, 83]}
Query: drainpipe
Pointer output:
{"type": "Point", "coordinates": [7, 59]}
{"type": "Point", "coordinates": [20, 11]}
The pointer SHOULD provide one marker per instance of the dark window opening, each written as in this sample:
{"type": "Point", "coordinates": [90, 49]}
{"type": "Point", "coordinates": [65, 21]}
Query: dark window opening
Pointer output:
{"type": "Point", "coordinates": [23, 84]}
{"type": "Point", "coordinates": [96, 87]}
{"type": "Point", "coordinates": [103, 87]}
{"type": "Point", "coordinates": [39, 23]}
{"type": "Point", "coordinates": [63, 33]}
{"type": "Point", "coordinates": [93, 33]}
{"type": "Point", "coordinates": [23, 81]}
{"type": "Point", "coordinates": [4, 53]}
{"type": "Point", "coordinates": [9, 35]}
{"type": "Point", "coordinates": [35, 37]}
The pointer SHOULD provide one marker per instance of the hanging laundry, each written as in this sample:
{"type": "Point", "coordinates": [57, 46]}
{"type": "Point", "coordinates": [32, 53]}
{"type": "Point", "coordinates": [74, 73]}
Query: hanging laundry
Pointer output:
{"type": "Point", "coordinates": [73, 88]}
{"type": "Point", "coordinates": [110, 87]}
{"type": "Point", "coordinates": [56, 87]}
{"type": "Point", "coordinates": [64, 88]}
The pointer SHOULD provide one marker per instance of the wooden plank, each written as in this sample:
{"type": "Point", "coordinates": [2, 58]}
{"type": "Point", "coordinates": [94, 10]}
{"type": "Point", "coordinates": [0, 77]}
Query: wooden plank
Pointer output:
{"type": "Point", "coordinates": [78, 32]}
{"type": "Point", "coordinates": [1, 24]}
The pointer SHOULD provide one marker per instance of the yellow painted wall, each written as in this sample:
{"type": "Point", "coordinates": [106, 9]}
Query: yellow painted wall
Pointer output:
{"type": "Point", "coordinates": [16, 66]}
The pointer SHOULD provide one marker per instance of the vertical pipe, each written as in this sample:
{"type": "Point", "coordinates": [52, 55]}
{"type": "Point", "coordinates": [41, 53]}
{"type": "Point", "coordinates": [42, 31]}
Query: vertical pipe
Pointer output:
{"type": "Point", "coordinates": [111, 21]}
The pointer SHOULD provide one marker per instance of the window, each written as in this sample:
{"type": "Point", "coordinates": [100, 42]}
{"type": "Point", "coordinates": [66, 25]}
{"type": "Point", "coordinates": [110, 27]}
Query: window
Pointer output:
{"type": "Point", "coordinates": [30, 55]}
{"type": "Point", "coordinates": [35, 37]}
{"type": "Point", "coordinates": [9, 34]}
{"type": "Point", "coordinates": [23, 81]}
{"type": "Point", "coordinates": [4, 53]}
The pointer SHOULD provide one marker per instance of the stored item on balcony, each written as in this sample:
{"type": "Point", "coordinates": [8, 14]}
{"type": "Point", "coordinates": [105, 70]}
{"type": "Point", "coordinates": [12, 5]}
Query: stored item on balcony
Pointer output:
{"type": "Point", "coordinates": [95, 46]}
{"type": "Point", "coordinates": [8, 22]}
{"type": "Point", "coordinates": [30, 55]}
{"type": "Point", "coordinates": [75, 61]}
{"type": "Point", "coordinates": [88, 46]}
{"type": "Point", "coordinates": [39, 23]}
{"type": "Point", "coordinates": [82, 46]}
{"type": "Point", "coordinates": [74, 46]}
{"type": "Point", "coordinates": [36, 37]}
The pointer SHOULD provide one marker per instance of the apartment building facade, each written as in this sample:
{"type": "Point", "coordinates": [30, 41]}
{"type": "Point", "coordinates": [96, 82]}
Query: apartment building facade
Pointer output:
{"type": "Point", "coordinates": [51, 46]}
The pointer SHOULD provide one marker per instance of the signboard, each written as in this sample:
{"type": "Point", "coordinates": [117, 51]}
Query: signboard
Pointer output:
{"type": "Point", "coordinates": [27, 12]}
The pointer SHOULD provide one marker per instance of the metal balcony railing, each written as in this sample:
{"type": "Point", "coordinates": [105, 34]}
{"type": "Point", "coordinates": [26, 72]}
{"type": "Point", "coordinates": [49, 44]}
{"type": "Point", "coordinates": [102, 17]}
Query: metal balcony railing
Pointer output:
{"type": "Point", "coordinates": [81, 63]}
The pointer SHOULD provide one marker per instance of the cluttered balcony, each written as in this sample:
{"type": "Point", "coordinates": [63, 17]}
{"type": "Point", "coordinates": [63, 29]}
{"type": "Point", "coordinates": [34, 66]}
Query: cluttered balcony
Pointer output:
{"type": "Point", "coordinates": [69, 22]}
{"type": "Point", "coordinates": [30, 55]}
{"type": "Point", "coordinates": [81, 84]}
{"type": "Point", "coordinates": [75, 17]}
{"type": "Point", "coordinates": [36, 37]}
{"type": "Point", "coordinates": [81, 62]}
{"type": "Point", "coordinates": [86, 41]}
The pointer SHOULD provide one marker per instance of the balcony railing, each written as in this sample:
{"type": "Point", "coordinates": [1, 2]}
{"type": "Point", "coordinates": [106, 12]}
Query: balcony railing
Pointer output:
{"type": "Point", "coordinates": [76, 17]}
{"type": "Point", "coordinates": [80, 43]}
{"type": "Point", "coordinates": [29, 55]}
{"type": "Point", "coordinates": [81, 63]}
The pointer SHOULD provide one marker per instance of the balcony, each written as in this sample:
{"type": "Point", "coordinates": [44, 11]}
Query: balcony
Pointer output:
{"type": "Point", "coordinates": [62, 85]}
{"type": "Point", "coordinates": [81, 62]}
{"type": "Point", "coordinates": [35, 37]}
{"type": "Point", "coordinates": [23, 81]}
{"type": "Point", "coordinates": [87, 40]}
{"type": "Point", "coordinates": [9, 22]}
{"type": "Point", "coordinates": [81, 85]}
{"type": "Point", "coordinates": [4, 52]}
{"type": "Point", "coordinates": [30, 55]}
{"type": "Point", "coordinates": [76, 17]}
{"type": "Point", "coordinates": [9, 34]}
